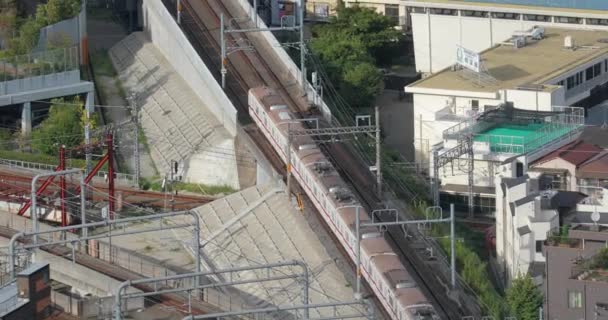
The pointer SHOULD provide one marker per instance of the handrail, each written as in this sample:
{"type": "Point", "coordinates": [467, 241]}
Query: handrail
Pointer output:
{"type": "Point", "coordinates": [48, 167]}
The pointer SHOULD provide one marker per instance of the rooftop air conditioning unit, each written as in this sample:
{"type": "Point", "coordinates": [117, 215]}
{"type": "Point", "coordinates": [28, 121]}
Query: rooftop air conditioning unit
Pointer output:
{"type": "Point", "coordinates": [519, 42]}
{"type": "Point", "coordinates": [569, 42]}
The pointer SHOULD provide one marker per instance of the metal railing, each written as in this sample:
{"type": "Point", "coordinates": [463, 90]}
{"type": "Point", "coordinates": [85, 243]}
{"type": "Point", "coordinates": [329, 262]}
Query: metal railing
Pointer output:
{"type": "Point", "coordinates": [40, 63]}
{"type": "Point", "coordinates": [125, 177]}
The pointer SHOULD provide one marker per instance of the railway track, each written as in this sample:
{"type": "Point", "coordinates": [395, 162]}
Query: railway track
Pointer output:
{"type": "Point", "coordinates": [241, 67]}
{"type": "Point", "coordinates": [17, 187]}
{"type": "Point", "coordinates": [121, 274]}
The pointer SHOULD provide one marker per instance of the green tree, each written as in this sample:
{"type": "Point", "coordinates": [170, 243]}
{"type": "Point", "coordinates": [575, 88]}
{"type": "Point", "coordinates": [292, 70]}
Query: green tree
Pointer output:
{"type": "Point", "coordinates": [351, 47]}
{"type": "Point", "coordinates": [361, 84]}
{"type": "Point", "coordinates": [524, 299]}
{"type": "Point", "coordinates": [46, 14]}
{"type": "Point", "coordinates": [375, 32]}
{"type": "Point", "coordinates": [62, 127]}
{"type": "Point", "coordinates": [6, 139]}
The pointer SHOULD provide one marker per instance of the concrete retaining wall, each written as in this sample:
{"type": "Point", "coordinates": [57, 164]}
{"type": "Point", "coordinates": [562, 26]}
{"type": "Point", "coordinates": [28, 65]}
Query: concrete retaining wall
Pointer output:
{"type": "Point", "coordinates": [169, 39]}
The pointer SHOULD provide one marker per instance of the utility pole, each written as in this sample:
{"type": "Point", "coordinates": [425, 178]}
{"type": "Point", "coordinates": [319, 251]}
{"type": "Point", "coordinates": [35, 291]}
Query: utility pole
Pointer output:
{"type": "Point", "coordinates": [135, 118]}
{"type": "Point", "coordinates": [378, 156]}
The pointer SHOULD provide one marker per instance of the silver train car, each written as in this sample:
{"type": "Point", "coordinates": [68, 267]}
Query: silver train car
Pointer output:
{"type": "Point", "coordinates": [380, 266]}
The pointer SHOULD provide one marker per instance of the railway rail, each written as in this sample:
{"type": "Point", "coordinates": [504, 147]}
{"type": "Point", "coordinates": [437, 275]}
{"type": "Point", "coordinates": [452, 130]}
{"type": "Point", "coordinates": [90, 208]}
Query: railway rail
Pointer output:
{"type": "Point", "coordinates": [243, 68]}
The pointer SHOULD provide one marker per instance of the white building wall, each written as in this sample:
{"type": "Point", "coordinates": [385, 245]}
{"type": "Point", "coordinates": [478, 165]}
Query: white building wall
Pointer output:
{"type": "Point", "coordinates": [474, 33]}
{"type": "Point", "coordinates": [422, 49]}
{"type": "Point", "coordinates": [559, 163]}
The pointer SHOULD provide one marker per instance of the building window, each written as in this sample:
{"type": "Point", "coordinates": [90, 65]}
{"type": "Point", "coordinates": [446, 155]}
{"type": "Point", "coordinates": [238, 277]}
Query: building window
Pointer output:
{"type": "Point", "coordinates": [597, 69]}
{"type": "Point", "coordinates": [589, 74]}
{"type": "Point", "coordinates": [575, 299]}
{"type": "Point", "coordinates": [392, 11]}
{"type": "Point", "coordinates": [570, 82]}
{"type": "Point", "coordinates": [537, 17]}
{"type": "Point", "coordinates": [475, 105]}
{"type": "Point", "coordinates": [473, 13]}
{"type": "Point", "coordinates": [561, 83]}
{"type": "Point", "coordinates": [568, 20]}
{"type": "Point", "coordinates": [606, 65]}
{"type": "Point", "coordinates": [505, 15]}
{"type": "Point", "coordinates": [445, 12]}
{"type": "Point", "coordinates": [539, 245]}
{"type": "Point", "coordinates": [418, 10]}
{"type": "Point", "coordinates": [597, 22]}
{"type": "Point", "coordinates": [579, 78]}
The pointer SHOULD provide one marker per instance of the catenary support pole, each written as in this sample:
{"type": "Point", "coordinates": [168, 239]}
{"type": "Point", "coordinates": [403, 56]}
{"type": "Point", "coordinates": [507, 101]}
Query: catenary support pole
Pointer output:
{"type": "Point", "coordinates": [288, 154]}
{"type": "Point", "coordinates": [83, 206]}
{"type": "Point", "coordinates": [302, 47]}
{"type": "Point", "coordinates": [110, 145]}
{"type": "Point", "coordinates": [358, 263]}
{"type": "Point", "coordinates": [255, 13]}
{"type": "Point", "coordinates": [33, 208]}
{"type": "Point", "coordinates": [135, 119]}
{"type": "Point", "coordinates": [223, 70]}
{"type": "Point", "coordinates": [453, 245]}
{"type": "Point", "coordinates": [64, 218]}
{"type": "Point", "coordinates": [378, 155]}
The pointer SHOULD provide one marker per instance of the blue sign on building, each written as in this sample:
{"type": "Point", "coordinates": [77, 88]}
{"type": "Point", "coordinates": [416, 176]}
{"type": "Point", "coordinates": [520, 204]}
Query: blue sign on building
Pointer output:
{"type": "Point", "coordinates": [575, 4]}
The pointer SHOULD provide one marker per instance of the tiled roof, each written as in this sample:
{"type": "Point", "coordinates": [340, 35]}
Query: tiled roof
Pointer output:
{"type": "Point", "coordinates": [576, 152]}
{"type": "Point", "coordinates": [596, 167]}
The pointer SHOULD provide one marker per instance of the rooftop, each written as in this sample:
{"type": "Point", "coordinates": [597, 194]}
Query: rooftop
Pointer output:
{"type": "Point", "coordinates": [532, 65]}
{"type": "Point", "coordinates": [595, 168]}
{"type": "Point", "coordinates": [595, 135]}
{"type": "Point", "coordinates": [586, 6]}
{"type": "Point", "coordinates": [576, 153]}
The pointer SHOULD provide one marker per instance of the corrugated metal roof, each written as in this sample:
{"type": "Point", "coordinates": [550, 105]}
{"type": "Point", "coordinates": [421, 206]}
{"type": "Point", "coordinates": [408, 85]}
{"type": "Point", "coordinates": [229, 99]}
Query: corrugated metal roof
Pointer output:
{"type": "Point", "coordinates": [574, 4]}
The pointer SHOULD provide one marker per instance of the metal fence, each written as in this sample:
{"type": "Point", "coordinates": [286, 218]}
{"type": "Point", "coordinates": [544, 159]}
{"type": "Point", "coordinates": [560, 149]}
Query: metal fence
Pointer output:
{"type": "Point", "coordinates": [124, 177]}
{"type": "Point", "coordinates": [40, 63]}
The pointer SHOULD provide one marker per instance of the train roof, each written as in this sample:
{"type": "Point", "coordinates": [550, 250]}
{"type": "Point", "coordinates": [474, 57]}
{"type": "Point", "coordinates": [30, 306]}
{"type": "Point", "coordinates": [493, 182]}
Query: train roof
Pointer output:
{"type": "Point", "coordinates": [375, 246]}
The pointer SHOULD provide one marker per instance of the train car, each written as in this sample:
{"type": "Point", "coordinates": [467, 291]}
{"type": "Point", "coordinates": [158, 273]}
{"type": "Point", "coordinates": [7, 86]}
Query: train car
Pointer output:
{"type": "Point", "coordinates": [380, 266]}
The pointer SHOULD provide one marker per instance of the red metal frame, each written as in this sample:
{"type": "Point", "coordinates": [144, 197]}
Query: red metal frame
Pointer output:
{"type": "Point", "coordinates": [40, 190]}
{"type": "Point", "coordinates": [106, 158]}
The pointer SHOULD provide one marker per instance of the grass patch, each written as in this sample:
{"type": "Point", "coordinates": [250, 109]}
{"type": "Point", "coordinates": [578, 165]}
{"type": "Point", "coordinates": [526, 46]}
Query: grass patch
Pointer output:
{"type": "Point", "coordinates": [102, 64]}
{"type": "Point", "coordinates": [45, 159]}
{"type": "Point", "coordinates": [156, 185]}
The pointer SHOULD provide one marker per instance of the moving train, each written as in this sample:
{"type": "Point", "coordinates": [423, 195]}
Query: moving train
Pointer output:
{"type": "Point", "coordinates": [380, 266]}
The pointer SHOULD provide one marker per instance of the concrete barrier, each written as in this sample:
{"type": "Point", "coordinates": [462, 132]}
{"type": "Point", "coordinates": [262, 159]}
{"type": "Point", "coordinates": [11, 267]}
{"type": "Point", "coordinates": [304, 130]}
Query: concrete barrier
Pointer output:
{"type": "Point", "coordinates": [169, 39]}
